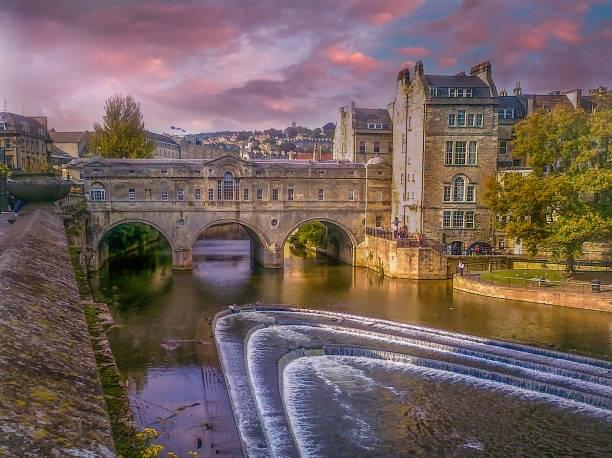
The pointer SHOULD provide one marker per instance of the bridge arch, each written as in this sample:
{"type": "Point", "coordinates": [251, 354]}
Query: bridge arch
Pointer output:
{"type": "Point", "coordinates": [108, 229]}
{"type": "Point", "coordinates": [341, 243]}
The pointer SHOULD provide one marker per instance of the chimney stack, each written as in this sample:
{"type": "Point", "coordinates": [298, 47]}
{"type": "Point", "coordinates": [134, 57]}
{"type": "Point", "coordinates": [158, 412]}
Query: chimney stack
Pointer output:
{"type": "Point", "coordinates": [517, 89]}
{"type": "Point", "coordinates": [353, 105]}
{"type": "Point", "coordinates": [503, 92]}
{"type": "Point", "coordinates": [418, 68]}
{"type": "Point", "coordinates": [483, 71]}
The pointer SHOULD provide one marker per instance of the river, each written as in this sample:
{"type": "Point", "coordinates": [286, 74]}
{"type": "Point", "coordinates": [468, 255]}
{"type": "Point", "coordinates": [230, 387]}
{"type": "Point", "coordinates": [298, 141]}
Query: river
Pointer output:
{"type": "Point", "coordinates": [166, 354]}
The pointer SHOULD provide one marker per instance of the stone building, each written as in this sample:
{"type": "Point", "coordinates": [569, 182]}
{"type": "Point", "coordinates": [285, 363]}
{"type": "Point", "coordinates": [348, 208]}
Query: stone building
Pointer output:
{"type": "Point", "coordinates": [25, 141]}
{"type": "Point", "coordinates": [363, 133]}
{"type": "Point", "coordinates": [75, 144]}
{"type": "Point", "coordinates": [165, 146]}
{"type": "Point", "coordinates": [445, 147]}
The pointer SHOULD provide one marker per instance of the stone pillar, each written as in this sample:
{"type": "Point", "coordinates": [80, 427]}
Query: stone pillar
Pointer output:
{"type": "Point", "coordinates": [96, 258]}
{"type": "Point", "coordinates": [270, 257]}
{"type": "Point", "coordinates": [181, 259]}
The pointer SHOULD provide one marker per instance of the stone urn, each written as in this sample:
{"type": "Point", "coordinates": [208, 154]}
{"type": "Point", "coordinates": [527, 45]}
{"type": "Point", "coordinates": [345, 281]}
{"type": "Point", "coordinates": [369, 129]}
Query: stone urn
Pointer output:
{"type": "Point", "coordinates": [37, 187]}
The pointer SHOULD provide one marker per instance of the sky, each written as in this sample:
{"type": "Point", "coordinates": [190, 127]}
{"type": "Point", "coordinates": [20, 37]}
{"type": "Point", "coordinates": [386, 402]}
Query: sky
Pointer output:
{"type": "Point", "coordinates": [207, 65]}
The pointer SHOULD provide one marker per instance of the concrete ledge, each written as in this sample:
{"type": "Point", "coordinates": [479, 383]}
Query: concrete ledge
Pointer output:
{"type": "Point", "coordinates": [51, 401]}
{"type": "Point", "coordinates": [543, 296]}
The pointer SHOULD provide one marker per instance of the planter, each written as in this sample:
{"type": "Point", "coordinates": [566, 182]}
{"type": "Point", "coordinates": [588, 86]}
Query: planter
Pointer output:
{"type": "Point", "coordinates": [37, 187]}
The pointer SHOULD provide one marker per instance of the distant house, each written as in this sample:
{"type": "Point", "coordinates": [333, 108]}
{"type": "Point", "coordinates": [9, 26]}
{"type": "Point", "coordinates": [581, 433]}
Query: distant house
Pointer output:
{"type": "Point", "coordinates": [165, 146]}
{"type": "Point", "coordinates": [25, 141]}
{"type": "Point", "coordinates": [363, 133]}
{"type": "Point", "coordinates": [74, 144]}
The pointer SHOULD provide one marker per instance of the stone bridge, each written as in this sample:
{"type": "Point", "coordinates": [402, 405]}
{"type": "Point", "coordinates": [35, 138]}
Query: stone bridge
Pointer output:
{"type": "Point", "coordinates": [269, 199]}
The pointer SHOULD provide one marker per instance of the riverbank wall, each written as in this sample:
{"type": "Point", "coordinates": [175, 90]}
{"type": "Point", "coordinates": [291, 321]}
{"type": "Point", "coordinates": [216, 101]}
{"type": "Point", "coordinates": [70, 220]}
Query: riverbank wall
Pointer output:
{"type": "Point", "coordinates": [541, 295]}
{"type": "Point", "coordinates": [384, 256]}
{"type": "Point", "coordinates": [51, 398]}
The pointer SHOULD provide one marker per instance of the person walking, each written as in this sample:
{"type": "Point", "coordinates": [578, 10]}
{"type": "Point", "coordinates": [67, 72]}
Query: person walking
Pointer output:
{"type": "Point", "coordinates": [461, 267]}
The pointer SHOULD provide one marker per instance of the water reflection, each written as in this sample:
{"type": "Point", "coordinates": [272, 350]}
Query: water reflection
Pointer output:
{"type": "Point", "coordinates": [164, 336]}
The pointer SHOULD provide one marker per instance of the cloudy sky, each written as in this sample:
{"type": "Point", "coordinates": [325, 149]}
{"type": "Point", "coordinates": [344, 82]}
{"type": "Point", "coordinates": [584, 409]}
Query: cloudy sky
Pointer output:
{"type": "Point", "coordinates": [242, 64]}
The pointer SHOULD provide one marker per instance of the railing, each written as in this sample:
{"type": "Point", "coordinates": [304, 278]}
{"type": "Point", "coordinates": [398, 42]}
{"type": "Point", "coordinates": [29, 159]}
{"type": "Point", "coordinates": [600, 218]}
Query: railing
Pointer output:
{"type": "Point", "coordinates": [411, 241]}
{"type": "Point", "coordinates": [535, 283]}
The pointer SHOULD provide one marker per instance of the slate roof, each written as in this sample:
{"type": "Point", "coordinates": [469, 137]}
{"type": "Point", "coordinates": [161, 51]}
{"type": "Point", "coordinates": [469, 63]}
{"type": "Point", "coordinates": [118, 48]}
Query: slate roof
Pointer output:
{"type": "Point", "coordinates": [67, 137]}
{"type": "Point", "coordinates": [454, 81]}
{"type": "Point", "coordinates": [362, 116]}
{"type": "Point", "coordinates": [512, 101]}
{"type": "Point", "coordinates": [160, 138]}
{"type": "Point", "coordinates": [13, 120]}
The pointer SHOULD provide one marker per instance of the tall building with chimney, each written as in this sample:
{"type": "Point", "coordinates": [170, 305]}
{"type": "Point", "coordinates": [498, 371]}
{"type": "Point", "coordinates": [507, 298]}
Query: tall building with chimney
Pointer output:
{"type": "Point", "coordinates": [445, 147]}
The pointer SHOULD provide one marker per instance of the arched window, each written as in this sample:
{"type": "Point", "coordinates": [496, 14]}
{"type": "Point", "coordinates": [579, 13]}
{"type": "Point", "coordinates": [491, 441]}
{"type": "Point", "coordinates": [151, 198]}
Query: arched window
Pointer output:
{"type": "Point", "coordinates": [459, 189]}
{"type": "Point", "coordinates": [226, 187]}
{"type": "Point", "coordinates": [97, 192]}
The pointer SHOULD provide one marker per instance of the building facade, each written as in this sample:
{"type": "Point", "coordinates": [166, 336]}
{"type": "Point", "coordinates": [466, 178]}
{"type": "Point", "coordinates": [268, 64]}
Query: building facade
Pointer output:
{"type": "Point", "coordinates": [25, 141]}
{"type": "Point", "coordinates": [165, 146]}
{"type": "Point", "coordinates": [363, 133]}
{"type": "Point", "coordinates": [74, 144]}
{"type": "Point", "coordinates": [445, 134]}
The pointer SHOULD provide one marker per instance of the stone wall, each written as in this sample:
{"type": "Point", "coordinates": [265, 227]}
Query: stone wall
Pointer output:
{"type": "Point", "coordinates": [542, 296]}
{"type": "Point", "coordinates": [51, 401]}
{"type": "Point", "coordinates": [385, 257]}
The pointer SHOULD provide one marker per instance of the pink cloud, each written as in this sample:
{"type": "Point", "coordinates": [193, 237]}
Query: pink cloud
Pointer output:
{"type": "Point", "coordinates": [355, 60]}
{"type": "Point", "coordinates": [447, 61]}
{"type": "Point", "coordinates": [414, 52]}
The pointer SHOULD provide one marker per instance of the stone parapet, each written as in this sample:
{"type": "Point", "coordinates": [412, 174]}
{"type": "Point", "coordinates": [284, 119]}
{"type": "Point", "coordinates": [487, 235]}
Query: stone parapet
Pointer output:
{"type": "Point", "coordinates": [51, 401]}
{"type": "Point", "coordinates": [596, 302]}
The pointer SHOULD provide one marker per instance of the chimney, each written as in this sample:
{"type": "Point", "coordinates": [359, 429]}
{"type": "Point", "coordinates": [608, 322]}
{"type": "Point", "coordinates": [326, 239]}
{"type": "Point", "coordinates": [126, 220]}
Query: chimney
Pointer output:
{"type": "Point", "coordinates": [483, 71]}
{"type": "Point", "coordinates": [404, 76]}
{"type": "Point", "coordinates": [503, 92]}
{"type": "Point", "coordinates": [460, 74]}
{"type": "Point", "coordinates": [418, 68]}
{"type": "Point", "coordinates": [518, 90]}
{"type": "Point", "coordinates": [353, 105]}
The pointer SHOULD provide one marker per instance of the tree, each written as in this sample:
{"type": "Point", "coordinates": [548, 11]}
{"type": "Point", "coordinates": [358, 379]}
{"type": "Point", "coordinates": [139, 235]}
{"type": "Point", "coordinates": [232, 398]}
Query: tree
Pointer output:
{"type": "Point", "coordinates": [566, 199]}
{"type": "Point", "coordinates": [122, 134]}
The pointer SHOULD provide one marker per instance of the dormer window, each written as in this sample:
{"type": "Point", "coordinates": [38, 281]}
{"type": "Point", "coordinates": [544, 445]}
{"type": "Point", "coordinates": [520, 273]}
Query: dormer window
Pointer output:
{"type": "Point", "coordinates": [507, 113]}
{"type": "Point", "coordinates": [373, 125]}
{"type": "Point", "coordinates": [25, 127]}
{"type": "Point", "coordinates": [3, 126]}
{"type": "Point", "coordinates": [459, 92]}
{"type": "Point", "coordinates": [433, 91]}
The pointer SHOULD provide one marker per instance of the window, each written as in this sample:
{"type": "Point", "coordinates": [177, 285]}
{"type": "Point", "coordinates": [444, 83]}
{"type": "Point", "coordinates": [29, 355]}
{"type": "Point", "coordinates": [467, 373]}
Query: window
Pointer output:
{"type": "Point", "coordinates": [402, 178]}
{"type": "Point", "coordinates": [447, 193]}
{"type": "Point", "coordinates": [446, 219]}
{"type": "Point", "coordinates": [321, 172]}
{"type": "Point", "coordinates": [471, 193]}
{"type": "Point", "coordinates": [373, 125]}
{"type": "Point", "coordinates": [506, 113]}
{"type": "Point", "coordinates": [7, 143]}
{"type": "Point", "coordinates": [378, 221]}
{"type": "Point", "coordinates": [273, 222]}
{"type": "Point", "coordinates": [290, 194]}
{"type": "Point", "coordinates": [275, 194]}
{"type": "Point", "coordinates": [180, 194]}
{"type": "Point", "coordinates": [470, 120]}
{"type": "Point", "coordinates": [452, 92]}
{"type": "Point", "coordinates": [459, 92]}
{"type": "Point", "coordinates": [259, 194]}
{"type": "Point", "coordinates": [97, 194]}
{"type": "Point", "coordinates": [403, 143]}
{"type": "Point", "coordinates": [473, 154]}
{"type": "Point", "coordinates": [460, 148]}
{"type": "Point", "coordinates": [197, 194]}
{"type": "Point", "coordinates": [321, 194]}
{"type": "Point", "coordinates": [461, 118]}
{"type": "Point", "coordinates": [458, 218]}
{"type": "Point", "coordinates": [459, 189]}
{"type": "Point", "coordinates": [452, 120]}
{"type": "Point", "coordinates": [469, 220]}
{"type": "Point", "coordinates": [362, 147]}
{"type": "Point", "coordinates": [164, 194]}
{"type": "Point", "coordinates": [197, 172]}
{"type": "Point", "coordinates": [3, 126]}
{"type": "Point", "coordinates": [25, 127]}
{"type": "Point", "coordinates": [164, 171]}
{"type": "Point", "coordinates": [211, 194]}
{"type": "Point", "coordinates": [131, 194]}
{"type": "Point", "coordinates": [479, 119]}
{"type": "Point", "coordinates": [390, 147]}
{"type": "Point", "coordinates": [448, 157]}
{"type": "Point", "coordinates": [503, 147]}
{"type": "Point", "coordinates": [377, 147]}
{"type": "Point", "coordinates": [351, 195]}
{"type": "Point", "coordinates": [245, 194]}
{"type": "Point", "coordinates": [131, 172]}
{"type": "Point", "coordinates": [433, 91]}
{"type": "Point", "coordinates": [258, 173]}
{"type": "Point", "coordinates": [228, 186]}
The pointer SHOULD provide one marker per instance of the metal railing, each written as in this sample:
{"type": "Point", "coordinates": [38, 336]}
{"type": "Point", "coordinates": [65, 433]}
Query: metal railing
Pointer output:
{"type": "Point", "coordinates": [536, 283]}
{"type": "Point", "coordinates": [410, 241]}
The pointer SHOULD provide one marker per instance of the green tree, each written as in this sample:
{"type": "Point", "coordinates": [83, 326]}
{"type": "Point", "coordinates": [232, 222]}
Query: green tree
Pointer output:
{"type": "Point", "coordinates": [310, 235]}
{"type": "Point", "coordinates": [566, 199]}
{"type": "Point", "coordinates": [122, 134]}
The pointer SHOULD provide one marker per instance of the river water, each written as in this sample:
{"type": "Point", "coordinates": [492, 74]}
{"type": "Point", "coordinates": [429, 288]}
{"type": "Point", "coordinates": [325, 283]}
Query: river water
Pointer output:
{"type": "Point", "coordinates": [166, 354]}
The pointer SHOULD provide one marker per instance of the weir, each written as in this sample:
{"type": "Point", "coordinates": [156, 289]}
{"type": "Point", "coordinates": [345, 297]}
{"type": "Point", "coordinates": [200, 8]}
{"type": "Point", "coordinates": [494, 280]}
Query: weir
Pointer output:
{"type": "Point", "coordinates": [283, 365]}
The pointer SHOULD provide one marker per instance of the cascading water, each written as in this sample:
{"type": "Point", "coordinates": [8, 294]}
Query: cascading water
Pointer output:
{"type": "Point", "coordinates": [311, 383]}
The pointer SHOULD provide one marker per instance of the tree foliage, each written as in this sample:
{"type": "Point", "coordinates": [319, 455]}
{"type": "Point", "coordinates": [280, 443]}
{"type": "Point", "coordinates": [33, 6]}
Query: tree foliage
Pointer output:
{"type": "Point", "coordinates": [309, 235]}
{"type": "Point", "coordinates": [566, 199]}
{"type": "Point", "coordinates": [122, 134]}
